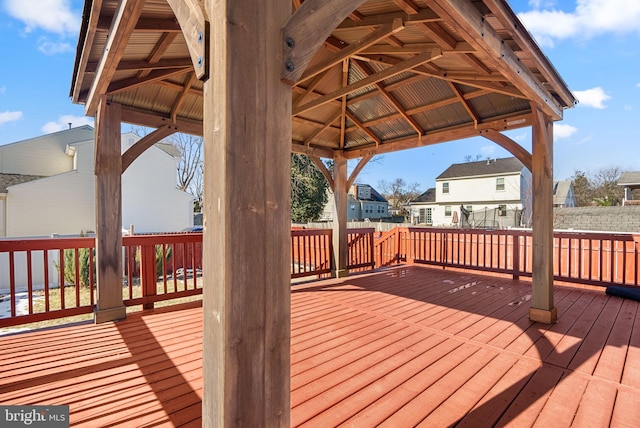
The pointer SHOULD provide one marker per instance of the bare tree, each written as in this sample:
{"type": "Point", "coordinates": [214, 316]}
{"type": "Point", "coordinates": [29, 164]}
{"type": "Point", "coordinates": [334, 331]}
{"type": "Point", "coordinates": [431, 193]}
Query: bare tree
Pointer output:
{"type": "Point", "coordinates": [399, 193]}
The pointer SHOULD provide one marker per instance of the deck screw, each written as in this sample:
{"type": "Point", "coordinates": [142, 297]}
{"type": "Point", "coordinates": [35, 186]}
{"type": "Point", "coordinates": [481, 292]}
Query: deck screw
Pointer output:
{"type": "Point", "coordinates": [290, 42]}
{"type": "Point", "coordinates": [289, 66]}
{"type": "Point", "coordinates": [200, 37]}
{"type": "Point", "coordinates": [199, 61]}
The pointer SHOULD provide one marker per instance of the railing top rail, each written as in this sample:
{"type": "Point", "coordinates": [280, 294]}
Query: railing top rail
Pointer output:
{"type": "Point", "coordinates": [311, 232]}
{"type": "Point", "coordinates": [362, 230]}
{"type": "Point", "coordinates": [169, 238]}
{"type": "Point", "coordinates": [46, 244]}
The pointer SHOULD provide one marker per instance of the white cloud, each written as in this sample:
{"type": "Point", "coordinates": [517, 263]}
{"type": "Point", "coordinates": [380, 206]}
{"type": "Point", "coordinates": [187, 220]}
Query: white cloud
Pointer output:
{"type": "Point", "coordinates": [594, 97]}
{"type": "Point", "coordinates": [638, 85]}
{"type": "Point", "coordinates": [628, 107]}
{"type": "Point", "coordinates": [48, 47]}
{"type": "Point", "coordinates": [54, 16]}
{"type": "Point", "coordinates": [590, 18]}
{"type": "Point", "coordinates": [10, 116]}
{"type": "Point", "coordinates": [561, 130]}
{"type": "Point", "coordinates": [63, 123]}
{"type": "Point", "coordinates": [3, 90]}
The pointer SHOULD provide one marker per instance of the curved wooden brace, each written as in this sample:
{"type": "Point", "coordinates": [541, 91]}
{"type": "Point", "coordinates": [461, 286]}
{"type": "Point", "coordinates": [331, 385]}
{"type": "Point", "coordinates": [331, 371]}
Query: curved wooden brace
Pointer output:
{"type": "Point", "coordinates": [354, 174]}
{"type": "Point", "coordinates": [507, 143]}
{"type": "Point", "coordinates": [307, 30]}
{"type": "Point", "coordinates": [323, 169]}
{"type": "Point", "coordinates": [144, 143]}
{"type": "Point", "coordinates": [195, 29]}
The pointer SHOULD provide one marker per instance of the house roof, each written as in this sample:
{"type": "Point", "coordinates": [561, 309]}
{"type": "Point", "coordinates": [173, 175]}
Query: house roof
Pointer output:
{"type": "Point", "coordinates": [66, 136]}
{"type": "Point", "coordinates": [480, 168]}
{"type": "Point", "coordinates": [169, 148]}
{"type": "Point", "coordinates": [375, 196]}
{"type": "Point", "coordinates": [561, 190]}
{"type": "Point", "coordinates": [630, 178]}
{"type": "Point", "coordinates": [428, 196]}
{"type": "Point", "coordinates": [8, 180]}
{"type": "Point", "coordinates": [415, 73]}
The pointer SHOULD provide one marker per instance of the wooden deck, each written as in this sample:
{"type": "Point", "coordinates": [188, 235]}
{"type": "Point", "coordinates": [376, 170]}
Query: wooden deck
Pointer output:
{"type": "Point", "coordinates": [409, 346]}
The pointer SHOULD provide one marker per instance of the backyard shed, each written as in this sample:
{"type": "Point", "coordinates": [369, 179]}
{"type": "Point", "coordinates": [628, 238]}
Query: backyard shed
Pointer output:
{"type": "Point", "coordinates": [337, 79]}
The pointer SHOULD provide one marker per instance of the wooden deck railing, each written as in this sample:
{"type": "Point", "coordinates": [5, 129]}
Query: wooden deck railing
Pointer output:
{"type": "Point", "coordinates": [168, 266]}
{"type": "Point", "coordinates": [156, 267]}
{"type": "Point", "coordinates": [579, 257]}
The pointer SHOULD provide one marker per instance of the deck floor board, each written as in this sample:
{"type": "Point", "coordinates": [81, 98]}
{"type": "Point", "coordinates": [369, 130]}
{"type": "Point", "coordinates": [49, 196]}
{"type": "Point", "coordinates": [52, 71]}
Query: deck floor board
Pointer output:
{"type": "Point", "coordinates": [405, 346]}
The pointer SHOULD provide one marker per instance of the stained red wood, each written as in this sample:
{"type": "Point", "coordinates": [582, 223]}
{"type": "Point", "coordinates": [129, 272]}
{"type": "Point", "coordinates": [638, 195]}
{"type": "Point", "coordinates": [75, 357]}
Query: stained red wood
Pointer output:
{"type": "Point", "coordinates": [407, 346]}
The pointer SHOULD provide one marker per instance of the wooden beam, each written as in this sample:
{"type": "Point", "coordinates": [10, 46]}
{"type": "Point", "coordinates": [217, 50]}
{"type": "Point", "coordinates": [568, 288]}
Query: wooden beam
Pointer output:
{"type": "Point", "coordinates": [323, 169]}
{"type": "Point", "coordinates": [108, 172]}
{"type": "Point", "coordinates": [340, 199]}
{"type": "Point", "coordinates": [382, 75]}
{"type": "Point", "coordinates": [470, 24]}
{"type": "Point", "coordinates": [458, 93]}
{"type": "Point", "coordinates": [416, 48]}
{"type": "Point", "coordinates": [247, 227]}
{"type": "Point", "coordinates": [153, 120]}
{"type": "Point", "coordinates": [543, 308]}
{"type": "Point", "coordinates": [162, 45]}
{"type": "Point", "coordinates": [424, 15]}
{"type": "Point", "coordinates": [440, 136]}
{"type": "Point", "coordinates": [192, 19]}
{"type": "Point", "coordinates": [81, 64]}
{"type": "Point", "coordinates": [144, 143]}
{"type": "Point", "coordinates": [144, 25]}
{"type": "Point", "coordinates": [358, 169]}
{"type": "Point", "coordinates": [154, 76]}
{"type": "Point", "coordinates": [183, 94]}
{"type": "Point", "coordinates": [511, 146]}
{"type": "Point", "coordinates": [145, 65]}
{"type": "Point", "coordinates": [381, 33]}
{"type": "Point", "coordinates": [122, 27]}
{"type": "Point", "coordinates": [307, 29]}
{"type": "Point", "coordinates": [309, 150]}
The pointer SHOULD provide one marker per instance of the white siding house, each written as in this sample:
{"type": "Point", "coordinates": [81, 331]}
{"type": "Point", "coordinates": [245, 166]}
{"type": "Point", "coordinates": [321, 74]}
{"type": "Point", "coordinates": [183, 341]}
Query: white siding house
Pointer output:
{"type": "Point", "coordinates": [57, 191]}
{"type": "Point", "coordinates": [489, 193]}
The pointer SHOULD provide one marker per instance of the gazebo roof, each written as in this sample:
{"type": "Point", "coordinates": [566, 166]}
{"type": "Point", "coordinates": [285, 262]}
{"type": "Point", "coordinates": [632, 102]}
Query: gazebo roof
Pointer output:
{"type": "Point", "coordinates": [395, 74]}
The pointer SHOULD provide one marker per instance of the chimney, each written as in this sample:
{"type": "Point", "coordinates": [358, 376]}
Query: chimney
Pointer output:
{"type": "Point", "coordinates": [69, 123]}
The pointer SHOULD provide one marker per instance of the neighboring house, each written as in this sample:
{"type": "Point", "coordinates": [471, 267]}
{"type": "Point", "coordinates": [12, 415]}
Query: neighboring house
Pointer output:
{"type": "Point", "coordinates": [631, 183]}
{"type": "Point", "coordinates": [363, 203]}
{"type": "Point", "coordinates": [490, 193]}
{"type": "Point", "coordinates": [425, 205]}
{"type": "Point", "coordinates": [47, 186]}
{"type": "Point", "coordinates": [563, 195]}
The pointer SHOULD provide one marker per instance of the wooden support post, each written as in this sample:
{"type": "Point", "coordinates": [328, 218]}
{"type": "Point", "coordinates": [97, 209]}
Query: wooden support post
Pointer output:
{"type": "Point", "coordinates": [148, 273]}
{"type": "Point", "coordinates": [108, 171]}
{"type": "Point", "coordinates": [340, 192]}
{"type": "Point", "coordinates": [247, 221]}
{"type": "Point", "coordinates": [542, 304]}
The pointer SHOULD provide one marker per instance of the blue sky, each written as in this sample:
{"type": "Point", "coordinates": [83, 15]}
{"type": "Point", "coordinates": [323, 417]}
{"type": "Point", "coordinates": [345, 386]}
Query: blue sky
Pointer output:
{"type": "Point", "coordinates": [594, 44]}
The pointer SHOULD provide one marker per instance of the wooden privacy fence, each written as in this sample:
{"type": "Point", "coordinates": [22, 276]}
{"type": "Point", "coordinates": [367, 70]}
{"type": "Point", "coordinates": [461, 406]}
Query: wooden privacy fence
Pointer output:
{"type": "Point", "coordinates": [579, 257]}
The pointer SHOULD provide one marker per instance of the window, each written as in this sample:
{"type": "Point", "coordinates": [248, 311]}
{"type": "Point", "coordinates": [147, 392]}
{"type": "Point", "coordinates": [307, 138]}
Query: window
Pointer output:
{"type": "Point", "coordinates": [500, 183]}
{"type": "Point", "coordinates": [447, 211]}
{"type": "Point", "coordinates": [425, 216]}
{"type": "Point", "coordinates": [502, 210]}
{"type": "Point", "coordinates": [445, 187]}
{"type": "Point", "coordinates": [469, 208]}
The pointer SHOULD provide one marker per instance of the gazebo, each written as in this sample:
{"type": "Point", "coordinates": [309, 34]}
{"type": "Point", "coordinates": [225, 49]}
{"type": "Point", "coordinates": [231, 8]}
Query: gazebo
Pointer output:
{"type": "Point", "coordinates": [337, 79]}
